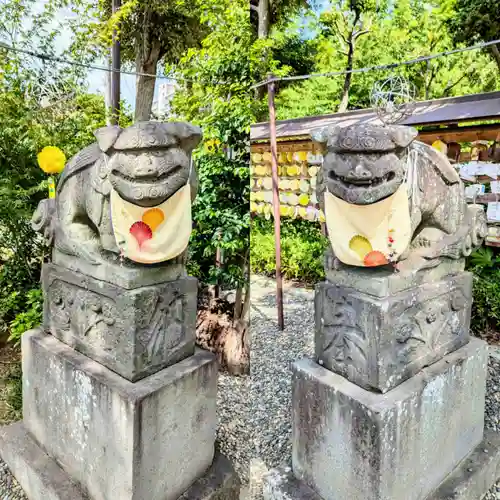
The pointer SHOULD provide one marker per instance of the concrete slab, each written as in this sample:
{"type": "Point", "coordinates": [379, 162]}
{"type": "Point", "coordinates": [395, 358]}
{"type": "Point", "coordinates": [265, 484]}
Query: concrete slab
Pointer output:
{"type": "Point", "coordinates": [349, 443]}
{"type": "Point", "coordinates": [220, 482]}
{"type": "Point", "coordinates": [281, 484]}
{"type": "Point", "coordinates": [124, 274]}
{"type": "Point", "coordinates": [471, 480]}
{"type": "Point", "coordinates": [147, 440]}
{"type": "Point", "coordinates": [42, 479]}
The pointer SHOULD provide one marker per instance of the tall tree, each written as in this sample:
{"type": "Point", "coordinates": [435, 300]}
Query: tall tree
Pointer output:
{"type": "Point", "coordinates": [476, 20]}
{"type": "Point", "coordinates": [348, 22]}
{"type": "Point", "coordinates": [411, 29]}
{"type": "Point", "coordinates": [151, 33]}
{"type": "Point", "coordinates": [264, 14]}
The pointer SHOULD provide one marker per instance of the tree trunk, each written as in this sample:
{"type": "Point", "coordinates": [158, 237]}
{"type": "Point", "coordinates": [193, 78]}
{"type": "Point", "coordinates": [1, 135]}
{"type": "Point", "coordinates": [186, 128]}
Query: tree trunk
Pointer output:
{"type": "Point", "coordinates": [264, 15]}
{"type": "Point", "coordinates": [145, 88]}
{"type": "Point", "coordinates": [264, 12]}
{"type": "Point", "coordinates": [344, 101]}
{"type": "Point", "coordinates": [496, 55]}
{"type": "Point", "coordinates": [148, 53]}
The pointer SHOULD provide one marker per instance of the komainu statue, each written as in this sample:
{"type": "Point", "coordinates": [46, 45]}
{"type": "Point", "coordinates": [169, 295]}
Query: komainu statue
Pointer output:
{"type": "Point", "coordinates": [389, 199]}
{"type": "Point", "coordinates": [129, 194]}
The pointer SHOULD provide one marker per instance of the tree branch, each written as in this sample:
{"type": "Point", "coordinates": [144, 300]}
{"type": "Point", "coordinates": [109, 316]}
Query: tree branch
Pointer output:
{"type": "Point", "coordinates": [339, 31]}
{"type": "Point", "coordinates": [449, 87]}
{"type": "Point", "coordinates": [496, 54]}
{"type": "Point", "coordinates": [357, 34]}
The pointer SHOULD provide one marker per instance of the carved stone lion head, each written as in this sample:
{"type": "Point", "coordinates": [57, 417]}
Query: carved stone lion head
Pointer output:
{"type": "Point", "coordinates": [148, 162]}
{"type": "Point", "coordinates": [364, 163]}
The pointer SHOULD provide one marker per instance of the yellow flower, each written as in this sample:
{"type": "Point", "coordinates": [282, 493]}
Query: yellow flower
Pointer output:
{"type": "Point", "coordinates": [51, 160]}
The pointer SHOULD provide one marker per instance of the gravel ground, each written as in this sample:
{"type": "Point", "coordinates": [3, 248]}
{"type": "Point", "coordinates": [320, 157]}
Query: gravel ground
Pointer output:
{"type": "Point", "coordinates": [254, 412]}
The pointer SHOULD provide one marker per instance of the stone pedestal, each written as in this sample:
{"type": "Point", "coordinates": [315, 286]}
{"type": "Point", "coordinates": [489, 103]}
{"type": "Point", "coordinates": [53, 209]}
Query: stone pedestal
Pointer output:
{"type": "Point", "coordinates": [399, 445]}
{"type": "Point", "coordinates": [378, 338]}
{"type": "Point", "coordinates": [117, 403]}
{"type": "Point", "coordinates": [393, 405]}
{"type": "Point", "coordinates": [134, 332]}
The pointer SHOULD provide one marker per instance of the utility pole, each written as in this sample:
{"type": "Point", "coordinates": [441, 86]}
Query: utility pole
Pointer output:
{"type": "Point", "coordinates": [115, 66]}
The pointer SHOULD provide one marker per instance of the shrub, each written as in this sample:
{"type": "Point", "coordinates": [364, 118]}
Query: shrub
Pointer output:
{"type": "Point", "coordinates": [28, 319]}
{"type": "Point", "coordinates": [485, 266]}
{"type": "Point", "coordinates": [302, 249]}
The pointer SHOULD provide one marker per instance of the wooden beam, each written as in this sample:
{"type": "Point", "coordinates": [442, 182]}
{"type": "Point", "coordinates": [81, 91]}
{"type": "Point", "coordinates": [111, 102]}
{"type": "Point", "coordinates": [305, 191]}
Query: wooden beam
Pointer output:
{"type": "Point", "coordinates": [488, 132]}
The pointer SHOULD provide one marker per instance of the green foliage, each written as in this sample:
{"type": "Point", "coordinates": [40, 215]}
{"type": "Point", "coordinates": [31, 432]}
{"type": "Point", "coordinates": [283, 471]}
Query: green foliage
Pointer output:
{"type": "Point", "coordinates": [484, 258]}
{"type": "Point", "coordinates": [225, 112]}
{"type": "Point", "coordinates": [475, 20]}
{"type": "Point", "coordinates": [25, 129]}
{"type": "Point", "coordinates": [28, 319]}
{"type": "Point", "coordinates": [14, 393]}
{"type": "Point", "coordinates": [485, 266]}
{"type": "Point", "coordinates": [302, 249]}
{"type": "Point", "coordinates": [409, 29]}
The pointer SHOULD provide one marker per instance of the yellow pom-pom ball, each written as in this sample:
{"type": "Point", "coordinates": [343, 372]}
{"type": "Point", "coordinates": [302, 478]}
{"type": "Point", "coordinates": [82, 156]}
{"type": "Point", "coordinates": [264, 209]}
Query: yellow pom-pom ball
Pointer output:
{"type": "Point", "coordinates": [51, 160]}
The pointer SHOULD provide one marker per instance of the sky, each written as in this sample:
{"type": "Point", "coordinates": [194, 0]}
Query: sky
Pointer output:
{"type": "Point", "coordinates": [97, 79]}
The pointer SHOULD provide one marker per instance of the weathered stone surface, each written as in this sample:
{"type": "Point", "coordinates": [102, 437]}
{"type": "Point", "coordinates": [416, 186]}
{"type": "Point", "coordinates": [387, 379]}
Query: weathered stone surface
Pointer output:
{"type": "Point", "coordinates": [39, 475]}
{"type": "Point", "coordinates": [122, 273]}
{"type": "Point", "coordinates": [133, 332]}
{"type": "Point", "coordinates": [377, 343]}
{"type": "Point", "coordinates": [470, 480]}
{"type": "Point", "coordinates": [383, 282]}
{"type": "Point", "coordinates": [349, 443]}
{"type": "Point", "coordinates": [148, 440]}
{"type": "Point", "coordinates": [145, 164]}
{"type": "Point", "coordinates": [42, 478]}
{"type": "Point", "coordinates": [364, 164]}
{"type": "Point", "coordinates": [220, 482]}
{"type": "Point", "coordinates": [281, 484]}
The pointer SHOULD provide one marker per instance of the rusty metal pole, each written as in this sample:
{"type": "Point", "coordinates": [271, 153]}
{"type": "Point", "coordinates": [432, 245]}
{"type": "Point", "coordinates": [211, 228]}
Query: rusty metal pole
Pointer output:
{"type": "Point", "coordinates": [276, 203]}
{"type": "Point", "coordinates": [115, 66]}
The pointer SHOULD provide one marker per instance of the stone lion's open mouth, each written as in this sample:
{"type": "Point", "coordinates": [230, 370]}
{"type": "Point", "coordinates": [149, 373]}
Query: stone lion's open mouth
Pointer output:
{"type": "Point", "coordinates": [148, 179]}
{"type": "Point", "coordinates": [362, 182]}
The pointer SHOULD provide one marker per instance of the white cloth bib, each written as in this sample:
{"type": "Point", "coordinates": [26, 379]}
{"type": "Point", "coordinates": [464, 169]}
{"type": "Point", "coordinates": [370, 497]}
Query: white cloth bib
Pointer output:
{"type": "Point", "coordinates": [369, 235]}
{"type": "Point", "coordinates": [155, 234]}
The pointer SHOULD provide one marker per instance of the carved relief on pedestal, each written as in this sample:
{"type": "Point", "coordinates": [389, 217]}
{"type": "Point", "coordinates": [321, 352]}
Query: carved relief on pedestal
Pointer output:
{"type": "Point", "coordinates": [138, 329]}
{"type": "Point", "coordinates": [343, 338]}
{"type": "Point", "coordinates": [378, 342]}
{"type": "Point", "coordinates": [426, 326]}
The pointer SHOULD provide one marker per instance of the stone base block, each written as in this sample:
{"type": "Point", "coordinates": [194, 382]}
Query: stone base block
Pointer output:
{"type": "Point", "coordinates": [147, 440]}
{"type": "Point", "coordinates": [349, 443]}
{"type": "Point", "coordinates": [43, 479]}
{"type": "Point", "coordinates": [124, 273]}
{"type": "Point", "coordinates": [471, 480]}
{"type": "Point", "coordinates": [132, 332]}
{"type": "Point", "coordinates": [377, 342]}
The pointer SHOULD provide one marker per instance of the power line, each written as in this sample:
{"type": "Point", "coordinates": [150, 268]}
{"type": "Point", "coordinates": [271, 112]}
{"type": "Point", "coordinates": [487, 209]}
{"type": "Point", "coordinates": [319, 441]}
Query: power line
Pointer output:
{"type": "Point", "coordinates": [48, 57]}
{"type": "Point", "coordinates": [374, 68]}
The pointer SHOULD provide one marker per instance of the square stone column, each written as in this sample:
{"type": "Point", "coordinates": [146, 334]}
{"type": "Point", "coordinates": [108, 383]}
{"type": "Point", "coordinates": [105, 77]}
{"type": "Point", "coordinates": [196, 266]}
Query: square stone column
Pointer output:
{"type": "Point", "coordinates": [134, 332]}
{"type": "Point", "coordinates": [352, 443]}
{"type": "Point", "coordinates": [392, 406]}
{"type": "Point", "coordinates": [117, 402]}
